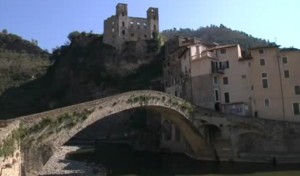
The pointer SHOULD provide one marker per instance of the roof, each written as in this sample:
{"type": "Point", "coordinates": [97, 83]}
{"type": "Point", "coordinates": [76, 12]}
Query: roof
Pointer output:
{"type": "Point", "coordinates": [264, 47]}
{"type": "Point", "coordinates": [223, 46]}
{"type": "Point", "coordinates": [289, 49]}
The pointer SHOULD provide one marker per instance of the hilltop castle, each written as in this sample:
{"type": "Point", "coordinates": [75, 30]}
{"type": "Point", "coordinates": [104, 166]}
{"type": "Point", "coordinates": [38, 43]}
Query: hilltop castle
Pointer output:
{"type": "Point", "coordinates": [121, 28]}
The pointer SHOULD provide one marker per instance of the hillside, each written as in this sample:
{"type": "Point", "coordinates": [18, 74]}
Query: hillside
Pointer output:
{"type": "Point", "coordinates": [20, 61]}
{"type": "Point", "coordinates": [219, 34]}
{"type": "Point", "coordinates": [85, 69]}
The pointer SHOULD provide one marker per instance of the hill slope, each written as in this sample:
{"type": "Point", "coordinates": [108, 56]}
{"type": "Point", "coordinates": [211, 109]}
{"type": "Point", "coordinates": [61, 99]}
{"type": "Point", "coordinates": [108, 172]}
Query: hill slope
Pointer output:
{"type": "Point", "coordinates": [219, 34]}
{"type": "Point", "coordinates": [20, 61]}
{"type": "Point", "coordinates": [83, 70]}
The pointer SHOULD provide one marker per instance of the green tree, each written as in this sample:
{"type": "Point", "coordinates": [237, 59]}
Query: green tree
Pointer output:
{"type": "Point", "coordinates": [73, 35]}
{"type": "Point", "coordinates": [4, 31]}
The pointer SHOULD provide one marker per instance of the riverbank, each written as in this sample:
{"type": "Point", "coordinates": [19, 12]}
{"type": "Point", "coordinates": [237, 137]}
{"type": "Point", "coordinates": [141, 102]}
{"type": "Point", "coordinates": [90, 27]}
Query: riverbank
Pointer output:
{"type": "Point", "coordinates": [59, 165]}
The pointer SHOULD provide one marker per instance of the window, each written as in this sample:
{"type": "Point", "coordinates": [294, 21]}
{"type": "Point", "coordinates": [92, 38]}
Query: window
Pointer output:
{"type": "Point", "coordinates": [215, 80]}
{"type": "Point", "coordinates": [265, 83]}
{"type": "Point", "coordinates": [154, 27]}
{"type": "Point", "coordinates": [262, 62]}
{"type": "Point", "coordinates": [261, 51]}
{"type": "Point", "coordinates": [217, 95]}
{"type": "Point", "coordinates": [123, 14]}
{"type": "Point", "coordinates": [132, 34]}
{"type": "Point", "coordinates": [296, 108]}
{"type": "Point", "coordinates": [267, 102]}
{"type": "Point", "coordinates": [123, 23]}
{"type": "Point", "coordinates": [264, 80]}
{"type": "Point", "coordinates": [286, 74]}
{"type": "Point", "coordinates": [297, 90]}
{"type": "Point", "coordinates": [284, 60]}
{"type": "Point", "coordinates": [227, 64]}
{"type": "Point", "coordinates": [145, 36]}
{"type": "Point", "coordinates": [223, 51]}
{"type": "Point", "coordinates": [244, 76]}
{"type": "Point", "coordinates": [249, 63]}
{"type": "Point", "coordinates": [226, 96]}
{"type": "Point", "coordinates": [225, 80]}
{"type": "Point", "coordinates": [123, 32]}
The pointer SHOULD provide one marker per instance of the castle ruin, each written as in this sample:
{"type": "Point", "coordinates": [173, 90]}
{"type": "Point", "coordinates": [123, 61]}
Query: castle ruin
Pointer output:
{"type": "Point", "coordinates": [121, 28]}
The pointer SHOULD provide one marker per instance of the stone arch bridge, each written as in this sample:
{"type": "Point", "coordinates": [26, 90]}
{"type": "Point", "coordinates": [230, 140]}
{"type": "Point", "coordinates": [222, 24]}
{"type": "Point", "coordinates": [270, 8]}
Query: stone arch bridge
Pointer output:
{"type": "Point", "coordinates": [57, 126]}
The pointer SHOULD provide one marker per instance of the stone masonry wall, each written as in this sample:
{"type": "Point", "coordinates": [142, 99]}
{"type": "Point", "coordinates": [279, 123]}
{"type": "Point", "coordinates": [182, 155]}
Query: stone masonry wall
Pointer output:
{"type": "Point", "coordinates": [10, 165]}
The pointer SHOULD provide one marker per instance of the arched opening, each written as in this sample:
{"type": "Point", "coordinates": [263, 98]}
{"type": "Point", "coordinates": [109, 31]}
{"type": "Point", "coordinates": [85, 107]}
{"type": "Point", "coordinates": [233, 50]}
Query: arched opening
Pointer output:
{"type": "Point", "coordinates": [192, 137]}
{"type": "Point", "coordinates": [212, 133]}
{"type": "Point", "coordinates": [217, 106]}
{"type": "Point", "coordinates": [138, 127]}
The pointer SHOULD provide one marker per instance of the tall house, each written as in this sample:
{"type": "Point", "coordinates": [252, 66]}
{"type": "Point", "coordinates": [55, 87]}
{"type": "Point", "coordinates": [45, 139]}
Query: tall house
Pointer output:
{"type": "Point", "coordinates": [208, 75]}
{"type": "Point", "coordinates": [276, 84]}
{"type": "Point", "coordinates": [121, 28]}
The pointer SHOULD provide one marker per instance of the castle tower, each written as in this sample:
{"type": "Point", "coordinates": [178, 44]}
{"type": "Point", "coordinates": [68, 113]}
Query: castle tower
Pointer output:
{"type": "Point", "coordinates": [121, 10]}
{"type": "Point", "coordinates": [152, 17]}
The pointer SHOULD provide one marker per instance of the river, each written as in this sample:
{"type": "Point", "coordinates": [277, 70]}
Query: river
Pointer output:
{"type": "Point", "coordinates": [121, 159]}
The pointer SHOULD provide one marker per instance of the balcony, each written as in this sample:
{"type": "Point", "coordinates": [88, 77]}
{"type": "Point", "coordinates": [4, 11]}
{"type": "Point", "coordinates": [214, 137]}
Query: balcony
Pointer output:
{"type": "Point", "coordinates": [208, 54]}
{"type": "Point", "coordinates": [217, 70]}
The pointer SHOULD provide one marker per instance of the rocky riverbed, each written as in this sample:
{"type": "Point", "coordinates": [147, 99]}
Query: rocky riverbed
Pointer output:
{"type": "Point", "coordinates": [59, 165]}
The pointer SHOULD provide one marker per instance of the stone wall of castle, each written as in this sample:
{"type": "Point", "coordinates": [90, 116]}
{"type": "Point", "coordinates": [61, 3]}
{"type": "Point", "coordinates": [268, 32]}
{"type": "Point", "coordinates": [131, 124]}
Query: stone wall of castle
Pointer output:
{"type": "Point", "coordinates": [121, 28]}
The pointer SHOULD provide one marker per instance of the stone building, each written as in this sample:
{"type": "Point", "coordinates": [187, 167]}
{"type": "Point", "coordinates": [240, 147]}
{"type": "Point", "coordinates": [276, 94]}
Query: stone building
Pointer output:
{"type": "Point", "coordinates": [263, 84]}
{"type": "Point", "coordinates": [121, 28]}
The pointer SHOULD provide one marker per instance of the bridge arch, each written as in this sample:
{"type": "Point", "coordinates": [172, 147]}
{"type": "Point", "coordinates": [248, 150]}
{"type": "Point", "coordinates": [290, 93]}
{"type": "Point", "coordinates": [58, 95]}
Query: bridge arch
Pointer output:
{"type": "Point", "coordinates": [173, 108]}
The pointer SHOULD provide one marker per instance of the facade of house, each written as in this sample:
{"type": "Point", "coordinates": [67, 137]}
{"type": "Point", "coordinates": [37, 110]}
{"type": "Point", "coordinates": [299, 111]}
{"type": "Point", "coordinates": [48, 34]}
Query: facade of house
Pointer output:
{"type": "Point", "coordinates": [264, 84]}
{"type": "Point", "coordinates": [276, 83]}
{"type": "Point", "coordinates": [121, 28]}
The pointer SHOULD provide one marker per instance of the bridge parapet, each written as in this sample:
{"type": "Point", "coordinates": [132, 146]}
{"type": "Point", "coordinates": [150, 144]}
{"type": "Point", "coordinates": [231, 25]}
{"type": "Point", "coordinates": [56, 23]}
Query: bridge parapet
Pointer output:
{"type": "Point", "coordinates": [141, 97]}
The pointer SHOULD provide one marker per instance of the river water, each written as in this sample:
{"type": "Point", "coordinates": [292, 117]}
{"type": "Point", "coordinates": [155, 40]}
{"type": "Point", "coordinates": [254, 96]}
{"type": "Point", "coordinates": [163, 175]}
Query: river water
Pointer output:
{"type": "Point", "coordinates": [121, 159]}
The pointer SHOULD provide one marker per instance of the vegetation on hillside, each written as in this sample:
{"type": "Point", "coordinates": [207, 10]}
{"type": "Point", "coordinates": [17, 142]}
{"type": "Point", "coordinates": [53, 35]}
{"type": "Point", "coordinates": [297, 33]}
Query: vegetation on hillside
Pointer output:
{"type": "Point", "coordinates": [85, 69]}
{"type": "Point", "coordinates": [20, 61]}
{"type": "Point", "coordinates": [15, 43]}
{"type": "Point", "coordinates": [219, 34]}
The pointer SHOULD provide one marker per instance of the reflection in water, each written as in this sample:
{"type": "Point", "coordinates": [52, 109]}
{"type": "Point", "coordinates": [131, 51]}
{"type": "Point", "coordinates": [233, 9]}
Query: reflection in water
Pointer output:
{"type": "Point", "coordinates": [122, 159]}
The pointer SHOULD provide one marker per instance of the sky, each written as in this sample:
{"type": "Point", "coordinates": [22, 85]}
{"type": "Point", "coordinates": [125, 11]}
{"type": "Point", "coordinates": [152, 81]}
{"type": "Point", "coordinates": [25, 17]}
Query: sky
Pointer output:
{"type": "Point", "coordinates": [50, 21]}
